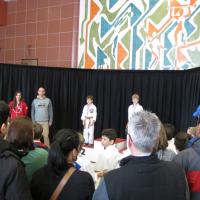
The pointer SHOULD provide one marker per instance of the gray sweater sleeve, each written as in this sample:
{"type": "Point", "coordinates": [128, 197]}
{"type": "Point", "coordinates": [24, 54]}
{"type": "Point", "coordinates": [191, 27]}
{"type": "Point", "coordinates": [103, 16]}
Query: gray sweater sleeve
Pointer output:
{"type": "Point", "coordinates": [101, 192]}
{"type": "Point", "coordinates": [50, 109]}
{"type": "Point", "coordinates": [33, 111]}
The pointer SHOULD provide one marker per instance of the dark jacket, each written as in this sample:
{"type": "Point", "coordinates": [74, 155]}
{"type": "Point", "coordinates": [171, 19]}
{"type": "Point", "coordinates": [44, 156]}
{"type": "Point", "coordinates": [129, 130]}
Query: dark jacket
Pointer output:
{"type": "Point", "coordinates": [79, 187]}
{"type": "Point", "coordinates": [13, 181]}
{"type": "Point", "coordinates": [142, 178]}
{"type": "Point", "coordinates": [189, 159]}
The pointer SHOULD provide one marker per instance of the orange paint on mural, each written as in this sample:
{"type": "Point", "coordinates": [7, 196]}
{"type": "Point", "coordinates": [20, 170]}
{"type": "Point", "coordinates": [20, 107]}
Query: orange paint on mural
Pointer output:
{"type": "Point", "coordinates": [180, 56]}
{"type": "Point", "coordinates": [121, 55]}
{"type": "Point", "coordinates": [94, 9]}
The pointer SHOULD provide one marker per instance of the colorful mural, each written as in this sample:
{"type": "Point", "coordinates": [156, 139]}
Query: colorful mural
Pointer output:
{"type": "Point", "coordinates": [139, 34]}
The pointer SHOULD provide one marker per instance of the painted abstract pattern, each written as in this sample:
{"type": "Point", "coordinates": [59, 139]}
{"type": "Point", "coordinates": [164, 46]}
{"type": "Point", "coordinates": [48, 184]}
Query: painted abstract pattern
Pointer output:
{"type": "Point", "coordinates": [139, 34]}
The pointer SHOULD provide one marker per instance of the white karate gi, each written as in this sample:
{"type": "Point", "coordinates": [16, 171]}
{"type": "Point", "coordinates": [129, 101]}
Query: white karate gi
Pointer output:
{"type": "Point", "coordinates": [108, 159]}
{"type": "Point", "coordinates": [132, 109]}
{"type": "Point", "coordinates": [88, 117]}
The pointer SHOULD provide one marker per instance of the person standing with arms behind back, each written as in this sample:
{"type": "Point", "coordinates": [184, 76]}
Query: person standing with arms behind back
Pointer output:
{"type": "Point", "coordinates": [88, 118]}
{"type": "Point", "coordinates": [135, 107]}
{"type": "Point", "coordinates": [18, 107]}
{"type": "Point", "coordinates": [42, 113]}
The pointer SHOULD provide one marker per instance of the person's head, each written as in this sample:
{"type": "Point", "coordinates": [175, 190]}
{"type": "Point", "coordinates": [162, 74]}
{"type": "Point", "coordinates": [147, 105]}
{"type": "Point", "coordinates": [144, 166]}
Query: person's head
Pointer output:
{"type": "Point", "coordinates": [4, 113]}
{"type": "Point", "coordinates": [162, 141]}
{"type": "Point", "coordinates": [89, 99]}
{"type": "Point", "coordinates": [17, 98]}
{"type": "Point", "coordinates": [181, 140]}
{"type": "Point", "coordinates": [108, 137]}
{"type": "Point", "coordinates": [170, 131]}
{"type": "Point", "coordinates": [37, 130]}
{"type": "Point", "coordinates": [41, 92]}
{"type": "Point", "coordinates": [192, 131]}
{"type": "Point", "coordinates": [135, 98]}
{"type": "Point", "coordinates": [63, 150]}
{"type": "Point", "coordinates": [143, 132]}
{"type": "Point", "coordinates": [20, 133]}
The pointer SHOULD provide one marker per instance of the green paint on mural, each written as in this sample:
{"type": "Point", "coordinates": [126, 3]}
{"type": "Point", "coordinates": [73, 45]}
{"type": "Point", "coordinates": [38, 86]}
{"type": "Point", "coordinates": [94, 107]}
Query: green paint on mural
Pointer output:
{"type": "Point", "coordinates": [109, 53]}
{"type": "Point", "coordinates": [81, 62]}
{"type": "Point", "coordinates": [160, 13]}
{"type": "Point", "coordinates": [143, 33]}
{"type": "Point", "coordinates": [105, 10]}
{"type": "Point", "coordinates": [194, 55]}
{"type": "Point", "coordinates": [94, 36]}
{"type": "Point", "coordinates": [126, 39]}
{"type": "Point", "coordinates": [83, 22]}
{"type": "Point", "coordinates": [144, 4]}
{"type": "Point", "coordinates": [141, 58]}
{"type": "Point", "coordinates": [124, 25]}
{"type": "Point", "coordinates": [172, 55]}
{"type": "Point", "coordinates": [107, 39]}
{"type": "Point", "coordinates": [196, 34]}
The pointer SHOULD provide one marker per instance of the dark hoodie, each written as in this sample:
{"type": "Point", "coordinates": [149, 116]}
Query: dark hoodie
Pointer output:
{"type": "Point", "coordinates": [189, 159]}
{"type": "Point", "coordinates": [13, 181]}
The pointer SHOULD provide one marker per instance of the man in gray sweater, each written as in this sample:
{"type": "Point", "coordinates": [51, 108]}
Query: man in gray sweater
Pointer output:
{"type": "Point", "coordinates": [42, 113]}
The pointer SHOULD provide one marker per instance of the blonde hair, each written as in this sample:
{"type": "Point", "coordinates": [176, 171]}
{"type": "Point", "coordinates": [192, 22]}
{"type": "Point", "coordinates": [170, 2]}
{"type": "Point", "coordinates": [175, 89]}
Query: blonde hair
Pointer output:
{"type": "Point", "coordinates": [192, 131]}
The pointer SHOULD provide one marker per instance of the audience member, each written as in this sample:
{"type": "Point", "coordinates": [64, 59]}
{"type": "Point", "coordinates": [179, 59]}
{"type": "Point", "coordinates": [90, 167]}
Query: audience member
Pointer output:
{"type": "Point", "coordinates": [109, 157]}
{"type": "Point", "coordinates": [20, 134]}
{"type": "Point", "coordinates": [189, 159]}
{"type": "Point", "coordinates": [170, 132]}
{"type": "Point", "coordinates": [194, 132]}
{"type": "Point", "coordinates": [181, 140]}
{"type": "Point", "coordinates": [13, 181]}
{"type": "Point", "coordinates": [37, 129]}
{"type": "Point", "coordinates": [142, 175]}
{"type": "Point", "coordinates": [162, 152]}
{"type": "Point", "coordinates": [62, 154]}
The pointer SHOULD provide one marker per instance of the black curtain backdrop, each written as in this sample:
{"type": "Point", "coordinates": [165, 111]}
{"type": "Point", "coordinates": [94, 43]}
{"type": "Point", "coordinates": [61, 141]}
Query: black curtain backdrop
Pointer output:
{"type": "Point", "coordinates": [172, 95]}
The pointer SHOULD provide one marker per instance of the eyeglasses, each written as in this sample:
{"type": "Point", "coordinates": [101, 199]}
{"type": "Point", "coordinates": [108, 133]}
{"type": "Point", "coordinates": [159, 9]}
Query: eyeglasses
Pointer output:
{"type": "Point", "coordinates": [130, 137]}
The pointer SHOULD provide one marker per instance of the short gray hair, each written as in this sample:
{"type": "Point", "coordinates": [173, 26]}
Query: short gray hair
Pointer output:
{"type": "Point", "coordinates": [144, 128]}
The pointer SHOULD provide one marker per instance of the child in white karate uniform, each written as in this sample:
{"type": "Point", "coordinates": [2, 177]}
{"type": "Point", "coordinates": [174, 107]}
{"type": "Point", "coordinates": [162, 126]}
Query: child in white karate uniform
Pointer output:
{"type": "Point", "coordinates": [135, 107]}
{"type": "Point", "coordinates": [88, 118]}
{"type": "Point", "coordinates": [109, 157]}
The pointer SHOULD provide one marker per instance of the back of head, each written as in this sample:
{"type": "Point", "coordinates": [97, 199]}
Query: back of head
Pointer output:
{"type": "Point", "coordinates": [170, 131]}
{"type": "Point", "coordinates": [192, 131]}
{"type": "Point", "coordinates": [65, 141]}
{"type": "Point", "coordinates": [4, 112]}
{"type": "Point", "coordinates": [143, 129]}
{"type": "Point", "coordinates": [181, 140]}
{"type": "Point", "coordinates": [20, 133]}
{"type": "Point", "coordinates": [110, 133]}
{"type": "Point", "coordinates": [162, 142]}
{"type": "Point", "coordinates": [37, 129]}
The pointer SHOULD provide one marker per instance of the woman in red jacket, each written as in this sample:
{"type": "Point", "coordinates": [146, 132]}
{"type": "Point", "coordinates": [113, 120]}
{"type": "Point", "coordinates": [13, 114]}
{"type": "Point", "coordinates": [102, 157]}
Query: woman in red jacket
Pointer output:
{"type": "Point", "coordinates": [18, 106]}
